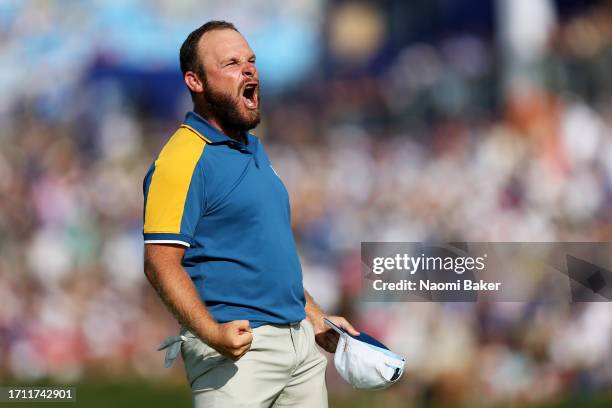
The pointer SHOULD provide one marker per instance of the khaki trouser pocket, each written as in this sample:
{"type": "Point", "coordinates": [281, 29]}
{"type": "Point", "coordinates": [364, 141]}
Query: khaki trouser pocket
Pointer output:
{"type": "Point", "coordinates": [199, 357]}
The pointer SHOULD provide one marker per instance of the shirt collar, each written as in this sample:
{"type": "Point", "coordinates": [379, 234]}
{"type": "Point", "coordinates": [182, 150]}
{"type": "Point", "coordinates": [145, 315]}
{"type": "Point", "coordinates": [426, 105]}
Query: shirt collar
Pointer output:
{"type": "Point", "coordinates": [207, 131]}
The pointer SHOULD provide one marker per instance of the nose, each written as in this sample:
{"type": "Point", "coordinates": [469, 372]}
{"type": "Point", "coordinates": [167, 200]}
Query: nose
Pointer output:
{"type": "Point", "coordinates": [249, 70]}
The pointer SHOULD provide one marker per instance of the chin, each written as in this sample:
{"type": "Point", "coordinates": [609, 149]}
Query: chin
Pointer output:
{"type": "Point", "coordinates": [252, 119]}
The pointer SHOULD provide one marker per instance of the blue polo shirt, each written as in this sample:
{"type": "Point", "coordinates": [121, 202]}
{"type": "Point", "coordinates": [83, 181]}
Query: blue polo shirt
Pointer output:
{"type": "Point", "coordinates": [224, 202]}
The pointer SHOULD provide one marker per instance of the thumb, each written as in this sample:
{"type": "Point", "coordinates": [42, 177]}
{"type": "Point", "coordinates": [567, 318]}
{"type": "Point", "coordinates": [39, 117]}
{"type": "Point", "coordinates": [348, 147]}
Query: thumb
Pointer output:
{"type": "Point", "coordinates": [244, 338]}
{"type": "Point", "coordinates": [242, 325]}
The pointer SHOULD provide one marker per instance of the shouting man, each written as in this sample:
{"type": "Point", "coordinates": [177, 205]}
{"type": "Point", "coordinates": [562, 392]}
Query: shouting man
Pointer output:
{"type": "Point", "coordinates": [219, 249]}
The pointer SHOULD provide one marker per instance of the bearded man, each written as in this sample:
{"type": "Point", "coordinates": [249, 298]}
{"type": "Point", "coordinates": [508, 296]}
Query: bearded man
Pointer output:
{"type": "Point", "coordinates": [219, 249]}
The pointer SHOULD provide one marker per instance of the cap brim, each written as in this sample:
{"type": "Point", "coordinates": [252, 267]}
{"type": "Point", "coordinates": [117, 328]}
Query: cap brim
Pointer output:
{"type": "Point", "coordinates": [334, 326]}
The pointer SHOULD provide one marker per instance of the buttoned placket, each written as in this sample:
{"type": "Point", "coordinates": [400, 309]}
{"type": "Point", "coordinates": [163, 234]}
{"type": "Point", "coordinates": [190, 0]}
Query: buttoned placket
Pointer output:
{"type": "Point", "coordinates": [234, 144]}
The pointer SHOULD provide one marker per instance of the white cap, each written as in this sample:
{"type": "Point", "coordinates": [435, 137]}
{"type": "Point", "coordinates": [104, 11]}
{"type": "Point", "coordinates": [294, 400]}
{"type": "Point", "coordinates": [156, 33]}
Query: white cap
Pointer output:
{"type": "Point", "coordinates": [364, 362]}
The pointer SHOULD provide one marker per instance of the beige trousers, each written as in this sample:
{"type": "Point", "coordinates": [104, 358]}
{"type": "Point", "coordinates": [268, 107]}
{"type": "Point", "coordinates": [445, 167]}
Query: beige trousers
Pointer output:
{"type": "Point", "coordinates": [283, 368]}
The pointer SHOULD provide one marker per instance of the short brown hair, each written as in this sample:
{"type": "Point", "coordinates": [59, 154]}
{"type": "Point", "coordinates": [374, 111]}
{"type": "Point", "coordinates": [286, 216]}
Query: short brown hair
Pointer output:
{"type": "Point", "coordinates": [189, 50]}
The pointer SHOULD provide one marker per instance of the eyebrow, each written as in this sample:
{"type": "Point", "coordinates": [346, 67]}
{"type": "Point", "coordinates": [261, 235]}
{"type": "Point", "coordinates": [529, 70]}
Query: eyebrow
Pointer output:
{"type": "Point", "coordinates": [228, 59]}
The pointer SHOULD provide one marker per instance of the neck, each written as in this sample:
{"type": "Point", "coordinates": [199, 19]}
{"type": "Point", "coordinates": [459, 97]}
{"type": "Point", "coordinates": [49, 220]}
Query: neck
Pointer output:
{"type": "Point", "coordinates": [235, 134]}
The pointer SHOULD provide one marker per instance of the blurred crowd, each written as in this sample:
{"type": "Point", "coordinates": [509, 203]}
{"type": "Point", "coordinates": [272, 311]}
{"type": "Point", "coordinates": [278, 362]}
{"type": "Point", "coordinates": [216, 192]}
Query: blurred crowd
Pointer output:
{"type": "Point", "coordinates": [426, 139]}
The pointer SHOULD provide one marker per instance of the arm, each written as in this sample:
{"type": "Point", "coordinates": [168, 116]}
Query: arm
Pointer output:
{"type": "Point", "coordinates": [162, 266]}
{"type": "Point", "coordinates": [324, 336]}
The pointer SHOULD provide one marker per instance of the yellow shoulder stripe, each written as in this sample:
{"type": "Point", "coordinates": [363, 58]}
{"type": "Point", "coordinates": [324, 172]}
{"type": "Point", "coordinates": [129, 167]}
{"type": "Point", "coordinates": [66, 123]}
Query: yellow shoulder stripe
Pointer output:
{"type": "Point", "coordinates": [196, 132]}
{"type": "Point", "coordinates": [170, 182]}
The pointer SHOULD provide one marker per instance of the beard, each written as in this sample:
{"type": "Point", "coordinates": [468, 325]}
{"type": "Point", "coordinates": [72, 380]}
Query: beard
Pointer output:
{"type": "Point", "coordinates": [228, 112]}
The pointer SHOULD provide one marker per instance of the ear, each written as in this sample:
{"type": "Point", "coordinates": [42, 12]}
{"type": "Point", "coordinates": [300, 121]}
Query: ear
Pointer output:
{"type": "Point", "coordinates": [193, 82]}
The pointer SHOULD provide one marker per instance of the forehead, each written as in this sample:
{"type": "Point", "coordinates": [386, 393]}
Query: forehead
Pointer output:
{"type": "Point", "coordinates": [218, 45]}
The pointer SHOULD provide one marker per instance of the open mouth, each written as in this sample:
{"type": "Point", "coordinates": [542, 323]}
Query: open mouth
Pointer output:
{"type": "Point", "coordinates": [250, 95]}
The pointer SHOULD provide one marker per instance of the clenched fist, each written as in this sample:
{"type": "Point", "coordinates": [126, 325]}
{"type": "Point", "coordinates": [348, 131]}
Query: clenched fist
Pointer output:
{"type": "Point", "coordinates": [231, 339]}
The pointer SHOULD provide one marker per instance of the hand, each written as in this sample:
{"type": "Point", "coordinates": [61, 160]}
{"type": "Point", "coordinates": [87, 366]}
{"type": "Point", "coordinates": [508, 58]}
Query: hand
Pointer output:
{"type": "Point", "coordinates": [328, 338]}
{"type": "Point", "coordinates": [231, 339]}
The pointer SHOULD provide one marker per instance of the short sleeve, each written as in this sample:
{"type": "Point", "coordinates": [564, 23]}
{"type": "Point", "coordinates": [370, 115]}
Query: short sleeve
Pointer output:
{"type": "Point", "coordinates": [174, 191]}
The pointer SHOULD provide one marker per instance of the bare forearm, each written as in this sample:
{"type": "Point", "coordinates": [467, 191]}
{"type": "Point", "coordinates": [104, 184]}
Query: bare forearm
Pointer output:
{"type": "Point", "coordinates": [176, 290]}
{"type": "Point", "coordinates": [313, 311]}
{"type": "Point", "coordinates": [326, 338]}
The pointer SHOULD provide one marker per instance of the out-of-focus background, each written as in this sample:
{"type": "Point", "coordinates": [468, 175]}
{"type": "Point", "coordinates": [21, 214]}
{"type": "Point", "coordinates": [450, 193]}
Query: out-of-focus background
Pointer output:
{"type": "Point", "coordinates": [388, 120]}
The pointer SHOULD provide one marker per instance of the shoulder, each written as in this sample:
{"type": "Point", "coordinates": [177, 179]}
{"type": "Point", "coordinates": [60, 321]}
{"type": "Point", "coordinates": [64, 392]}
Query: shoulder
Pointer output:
{"type": "Point", "coordinates": [184, 145]}
{"type": "Point", "coordinates": [178, 159]}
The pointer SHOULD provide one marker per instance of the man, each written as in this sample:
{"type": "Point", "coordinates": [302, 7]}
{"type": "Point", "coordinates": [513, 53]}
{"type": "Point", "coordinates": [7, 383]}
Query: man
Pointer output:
{"type": "Point", "coordinates": [219, 248]}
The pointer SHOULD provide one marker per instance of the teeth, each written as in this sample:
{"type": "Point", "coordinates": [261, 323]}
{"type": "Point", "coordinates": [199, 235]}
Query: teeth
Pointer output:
{"type": "Point", "coordinates": [249, 95]}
